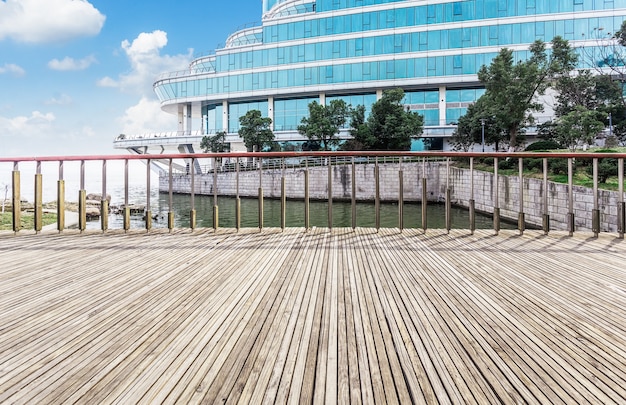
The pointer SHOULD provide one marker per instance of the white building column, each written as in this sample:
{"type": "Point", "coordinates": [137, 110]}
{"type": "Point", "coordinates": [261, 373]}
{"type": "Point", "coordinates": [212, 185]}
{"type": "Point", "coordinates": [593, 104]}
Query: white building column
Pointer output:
{"type": "Point", "coordinates": [322, 98]}
{"type": "Point", "coordinates": [224, 116]}
{"type": "Point", "coordinates": [379, 94]}
{"type": "Point", "coordinates": [442, 105]}
{"type": "Point", "coordinates": [181, 118]}
{"type": "Point", "coordinates": [270, 111]}
{"type": "Point", "coordinates": [188, 119]}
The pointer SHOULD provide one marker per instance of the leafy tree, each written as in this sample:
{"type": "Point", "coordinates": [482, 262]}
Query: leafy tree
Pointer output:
{"type": "Point", "coordinates": [324, 122]}
{"type": "Point", "coordinates": [512, 88]}
{"type": "Point", "coordinates": [255, 131]}
{"type": "Point", "coordinates": [215, 144]}
{"type": "Point", "coordinates": [389, 126]}
{"type": "Point", "coordinates": [469, 129]}
{"type": "Point", "coordinates": [579, 125]}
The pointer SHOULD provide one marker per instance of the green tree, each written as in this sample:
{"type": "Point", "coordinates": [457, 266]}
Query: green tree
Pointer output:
{"type": "Point", "coordinates": [512, 87]}
{"type": "Point", "coordinates": [389, 126]}
{"type": "Point", "coordinates": [578, 126]}
{"type": "Point", "coordinates": [215, 144]}
{"type": "Point", "coordinates": [255, 131]}
{"type": "Point", "coordinates": [469, 129]}
{"type": "Point", "coordinates": [324, 122]}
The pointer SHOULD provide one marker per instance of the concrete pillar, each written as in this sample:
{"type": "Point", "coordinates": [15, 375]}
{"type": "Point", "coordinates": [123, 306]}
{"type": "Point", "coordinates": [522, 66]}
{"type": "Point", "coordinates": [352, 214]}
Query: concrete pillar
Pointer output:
{"type": "Point", "coordinates": [181, 118]}
{"type": "Point", "coordinates": [188, 120]}
{"type": "Point", "coordinates": [322, 98]}
{"type": "Point", "coordinates": [379, 94]}
{"type": "Point", "coordinates": [442, 105]}
{"type": "Point", "coordinates": [224, 116]}
{"type": "Point", "coordinates": [270, 111]}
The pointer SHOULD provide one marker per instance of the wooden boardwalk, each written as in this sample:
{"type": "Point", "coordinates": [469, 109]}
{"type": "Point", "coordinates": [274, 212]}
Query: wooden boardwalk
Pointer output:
{"type": "Point", "coordinates": [324, 317]}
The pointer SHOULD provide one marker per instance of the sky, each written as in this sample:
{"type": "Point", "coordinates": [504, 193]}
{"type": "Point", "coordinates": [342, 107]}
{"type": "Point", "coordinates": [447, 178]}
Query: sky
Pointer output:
{"type": "Point", "coordinates": [74, 74]}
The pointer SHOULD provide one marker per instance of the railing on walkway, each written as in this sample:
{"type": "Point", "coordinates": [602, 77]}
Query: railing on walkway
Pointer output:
{"type": "Point", "coordinates": [262, 162]}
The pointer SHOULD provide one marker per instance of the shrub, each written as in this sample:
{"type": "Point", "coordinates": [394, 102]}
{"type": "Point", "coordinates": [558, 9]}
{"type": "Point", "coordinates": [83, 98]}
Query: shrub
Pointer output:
{"type": "Point", "coordinates": [533, 164]}
{"type": "Point", "coordinates": [506, 164]}
{"type": "Point", "coordinates": [559, 166]}
{"type": "Point", "coordinates": [544, 145]}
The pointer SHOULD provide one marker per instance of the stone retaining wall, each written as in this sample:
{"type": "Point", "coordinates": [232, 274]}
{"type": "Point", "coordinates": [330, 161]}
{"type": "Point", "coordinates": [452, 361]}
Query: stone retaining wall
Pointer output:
{"type": "Point", "coordinates": [436, 173]}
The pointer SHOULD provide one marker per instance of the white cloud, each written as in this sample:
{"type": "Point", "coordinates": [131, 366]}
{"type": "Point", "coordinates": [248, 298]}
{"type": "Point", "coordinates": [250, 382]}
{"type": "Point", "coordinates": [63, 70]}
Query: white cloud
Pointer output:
{"type": "Point", "coordinates": [145, 117]}
{"type": "Point", "coordinates": [10, 68]}
{"type": "Point", "coordinates": [72, 64]}
{"type": "Point", "coordinates": [24, 126]}
{"type": "Point", "coordinates": [144, 56]}
{"type": "Point", "coordinates": [39, 21]}
{"type": "Point", "coordinates": [63, 99]}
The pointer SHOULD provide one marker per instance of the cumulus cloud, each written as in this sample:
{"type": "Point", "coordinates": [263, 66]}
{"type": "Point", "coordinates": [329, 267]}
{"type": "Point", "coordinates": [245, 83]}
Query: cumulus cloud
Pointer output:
{"type": "Point", "coordinates": [72, 64]}
{"type": "Point", "coordinates": [24, 125]}
{"type": "Point", "coordinates": [146, 61]}
{"type": "Point", "coordinates": [10, 68]}
{"type": "Point", "coordinates": [145, 117]}
{"type": "Point", "coordinates": [37, 21]}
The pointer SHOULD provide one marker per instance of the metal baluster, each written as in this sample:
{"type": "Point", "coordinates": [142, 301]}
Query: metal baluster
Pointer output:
{"type": "Point", "coordinates": [260, 194]}
{"type": "Point", "coordinates": [330, 194]}
{"type": "Point", "coordinates": [170, 214]}
{"type": "Point", "coordinates": [496, 203]}
{"type": "Point", "coordinates": [353, 195]}
{"type": "Point", "coordinates": [570, 182]}
{"type": "Point", "coordinates": [472, 202]}
{"type": "Point", "coordinates": [400, 196]}
{"type": "Point", "coordinates": [237, 199]}
{"type": "Point", "coordinates": [148, 208]}
{"type": "Point", "coordinates": [82, 200]}
{"type": "Point", "coordinates": [126, 207]}
{"type": "Point", "coordinates": [521, 220]}
{"type": "Point", "coordinates": [104, 205]}
{"type": "Point", "coordinates": [377, 194]}
{"type": "Point", "coordinates": [621, 207]}
{"type": "Point", "coordinates": [546, 214]}
{"type": "Point", "coordinates": [17, 201]}
{"type": "Point", "coordinates": [424, 196]}
{"type": "Point", "coordinates": [448, 198]}
{"type": "Point", "coordinates": [38, 217]}
{"type": "Point", "coordinates": [61, 199]}
{"type": "Point", "coordinates": [283, 197]}
{"type": "Point", "coordinates": [192, 212]}
{"type": "Point", "coordinates": [307, 207]}
{"type": "Point", "coordinates": [595, 215]}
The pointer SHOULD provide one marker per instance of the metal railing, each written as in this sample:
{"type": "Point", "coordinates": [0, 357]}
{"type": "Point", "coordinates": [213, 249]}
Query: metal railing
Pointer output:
{"type": "Point", "coordinates": [305, 161]}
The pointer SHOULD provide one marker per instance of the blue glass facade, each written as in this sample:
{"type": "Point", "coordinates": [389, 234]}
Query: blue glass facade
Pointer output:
{"type": "Point", "coordinates": [354, 49]}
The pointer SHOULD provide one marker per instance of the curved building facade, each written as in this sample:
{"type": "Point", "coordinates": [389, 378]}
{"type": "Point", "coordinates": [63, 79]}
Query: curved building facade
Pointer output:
{"type": "Point", "coordinates": [320, 50]}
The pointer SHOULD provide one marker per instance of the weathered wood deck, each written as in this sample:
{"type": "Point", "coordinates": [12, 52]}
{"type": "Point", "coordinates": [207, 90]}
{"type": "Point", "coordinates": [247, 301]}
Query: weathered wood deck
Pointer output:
{"type": "Point", "coordinates": [297, 317]}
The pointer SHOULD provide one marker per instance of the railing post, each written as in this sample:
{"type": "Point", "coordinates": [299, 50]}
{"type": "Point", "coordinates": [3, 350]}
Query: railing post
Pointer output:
{"type": "Point", "coordinates": [621, 207]}
{"type": "Point", "coordinates": [377, 194]}
{"type": "Point", "coordinates": [595, 215]}
{"type": "Point", "coordinates": [17, 202]}
{"type": "Point", "coordinates": [170, 213]}
{"type": "Point", "coordinates": [126, 207]}
{"type": "Point", "coordinates": [571, 224]}
{"type": "Point", "coordinates": [38, 217]}
{"type": "Point", "coordinates": [104, 204]}
{"type": "Point", "coordinates": [330, 194]}
{"type": "Point", "coordinates": [424, 196]}
{"type": "Point", "coordinates": [216, 208]}
{"type": "Point", "coordinates": [307, 207]}
{"type": "Point", "coordinates": [283, 197]}
{"type": "Point", "coordinates": [353, 195]}
{"type": "Point", "coordinates": [496, 200]}
{"type": "Point", "coordinates": [472, 202]}
{"type": "Point", "coordinates": [448, 198]}
{"type": "Point", "coordinates": [148, 208]}
{"type": "Point", "coordinates": [521, 220]}
{"type": "Point", "coordinates": [192, 192]}
{"type": "Point", "coordinates": [400, 197]}
{"type": "Point", "coordinates": [82, 200]}
{"type": "Point", "coordinates": [546, 214]}
{"type": "Point", "coordinates": [237, 199]}
{"type": "Point", "coordinates": [260, 194]}
{"type": "Point", "coordinates": [61, 199]}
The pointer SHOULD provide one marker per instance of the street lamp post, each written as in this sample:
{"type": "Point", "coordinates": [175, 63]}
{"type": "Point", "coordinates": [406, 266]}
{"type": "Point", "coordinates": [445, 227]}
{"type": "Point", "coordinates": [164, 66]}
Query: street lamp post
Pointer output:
{"type": "Point", "coordinates": [482, 124]}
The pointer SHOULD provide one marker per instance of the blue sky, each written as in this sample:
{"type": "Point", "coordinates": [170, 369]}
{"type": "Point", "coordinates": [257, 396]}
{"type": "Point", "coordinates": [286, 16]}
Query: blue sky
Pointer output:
{"type": "Point", "coordinates": [75, 73]}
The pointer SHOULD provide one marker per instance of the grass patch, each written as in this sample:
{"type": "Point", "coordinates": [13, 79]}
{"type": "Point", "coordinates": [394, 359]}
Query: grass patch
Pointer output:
{"type": "Point", "coordinates": [27, 220]}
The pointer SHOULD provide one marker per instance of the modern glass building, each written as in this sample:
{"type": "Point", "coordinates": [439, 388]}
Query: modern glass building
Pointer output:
{"type": "Point", "coordinates": [320, 50]}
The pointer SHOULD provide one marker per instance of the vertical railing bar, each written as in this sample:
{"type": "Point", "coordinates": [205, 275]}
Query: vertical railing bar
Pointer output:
{"type": "Point", "coordinates": [472, 202]}
{"type": "Point", "coordinates": [61, 199]}
{"type": "Point", "coordinates": [595, 221]}
{"type": "Point", "coordinates": [353, 195]}
{"type": "Point", "coordinates": [306, 195]}
{"type": "Point", "coordinates": [400, 196]}
{"type": "Point", "coordinates": [260, 194]}
{"type": "Point", "coordinates": [621, 208]}
{"type": "Point", "coordinates": [283, 197]}
{"type": "Point", "coordinates": [546, 214]}
{"type": "Point", "coordinates": [148, 208]}
{"type": "Point", "coordinates": [496, 200]}
{"type": "Point", "coordinates": [104, 206]}
{"type": "Point", "coordinates": [82, 200]}
{"type": "Point", "coordinates": [192, 212]}
{"type": "Point", "coordinates": [170, 213]}
{"type": "Point", "coordinates": [237, 200]}
{"type": "Point", "coordinates": [126, 207]}
{"type": "Point", "coordinates": [377, 193]}
{"type": "Point", "coordinates": [330, 193]}
{"type": "Point", "coordinates": [216, 208]}
{"type": "Point", "coordinates": [448, 198]}
{"type": "Point", "coordinates": [38, 220]}
{"type": "Point", "coordinates": [16, 206]}
{"type": "Point", "coordinates": [424, 196]}
{"type": "Point", "coordinates": [570, 192]}
{"type": "Point", "coordinates": [521, 220]}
